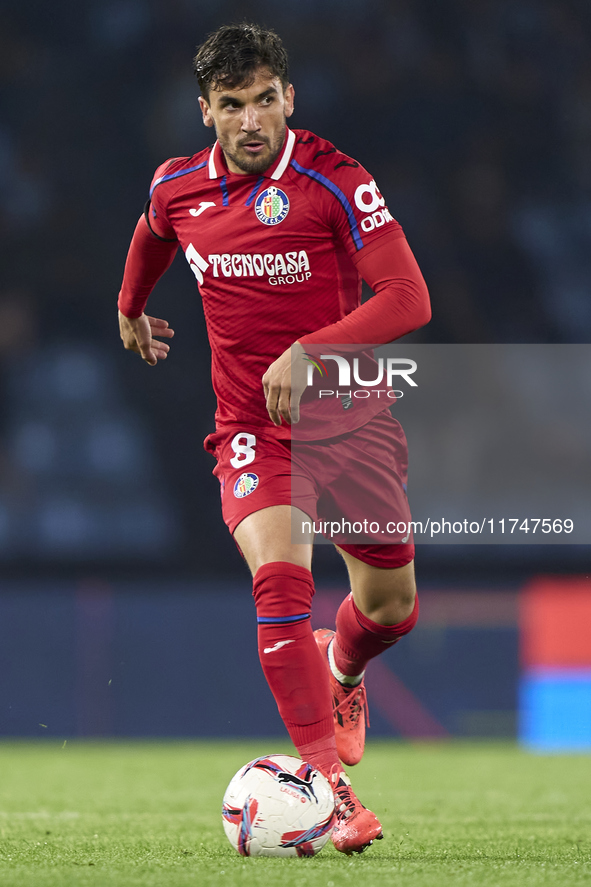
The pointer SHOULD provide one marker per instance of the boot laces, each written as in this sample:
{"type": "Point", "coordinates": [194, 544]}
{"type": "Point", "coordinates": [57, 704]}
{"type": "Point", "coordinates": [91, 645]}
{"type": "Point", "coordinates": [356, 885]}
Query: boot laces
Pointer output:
{"type": "Point", "coordinates": [354, 703]}
{"type": "Point", "coordinates": [345, 806]}
{"type": "Point", "coordinates": [346, 802]}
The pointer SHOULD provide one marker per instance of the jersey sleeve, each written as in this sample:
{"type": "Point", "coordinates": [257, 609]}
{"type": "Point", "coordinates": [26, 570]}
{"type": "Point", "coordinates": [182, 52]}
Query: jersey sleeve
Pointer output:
{"type": "Point", "coordinates": [156, 207]}
{"type": "Point", "coordinates": [399, 306]}
{"type": "Point", "coordinates": [351, 202]}
{"type": "Point", "coordinates": [148, 258]}
{"type": "Point", "coordinates": [353, 207]}
{"type": "Point", "coordinates": [152, 248]}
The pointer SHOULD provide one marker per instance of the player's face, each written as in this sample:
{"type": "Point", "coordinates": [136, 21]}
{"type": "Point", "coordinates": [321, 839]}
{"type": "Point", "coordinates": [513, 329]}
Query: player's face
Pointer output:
{"type": "Point", "coordinates": [250, 122]}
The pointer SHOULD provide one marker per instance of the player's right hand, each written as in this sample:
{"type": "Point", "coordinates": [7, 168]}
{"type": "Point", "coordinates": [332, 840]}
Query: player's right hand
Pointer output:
{"type": "Point", "coordinates": [283, 385]}
{"type": "Point", "coordinates": [137, 334]}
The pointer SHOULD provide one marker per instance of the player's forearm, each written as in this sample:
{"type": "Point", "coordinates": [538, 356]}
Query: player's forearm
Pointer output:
{"type": "Point", "coordinates": [147, 260]}
{"type": "Point", "coordinates": [400, 304]}
{"type": "Point", "coordinates": [397, 309]}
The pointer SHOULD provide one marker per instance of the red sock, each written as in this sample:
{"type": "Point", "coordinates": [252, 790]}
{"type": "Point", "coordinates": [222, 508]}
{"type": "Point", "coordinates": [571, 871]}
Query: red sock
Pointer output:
{"type": "Point", "coordinates": [291, 660]}
{"type": "Point", "coordinates": [358, 639]}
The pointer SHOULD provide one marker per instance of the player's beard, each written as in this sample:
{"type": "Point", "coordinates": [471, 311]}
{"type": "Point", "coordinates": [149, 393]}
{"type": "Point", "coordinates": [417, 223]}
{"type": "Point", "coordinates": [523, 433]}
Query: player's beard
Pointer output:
{"type": "Point", "coordinates": [256, 163]}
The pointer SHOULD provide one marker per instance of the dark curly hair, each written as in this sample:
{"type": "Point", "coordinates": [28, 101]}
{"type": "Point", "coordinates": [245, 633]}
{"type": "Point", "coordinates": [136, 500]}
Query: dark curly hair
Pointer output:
{"type": "Point", "coordinates": [230, 56]}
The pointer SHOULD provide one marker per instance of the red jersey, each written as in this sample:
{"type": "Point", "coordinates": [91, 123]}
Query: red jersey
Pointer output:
{"type": "Point", "coordinates": [275, 258]}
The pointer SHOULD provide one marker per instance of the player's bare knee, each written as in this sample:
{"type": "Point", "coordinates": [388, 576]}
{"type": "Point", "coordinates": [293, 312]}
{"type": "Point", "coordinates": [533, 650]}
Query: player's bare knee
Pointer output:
{"type": "Point", "coordinates": [399, 587]}
{"type": "Point", "coordinates": [406, 593]}
{"type": "Point", "coordinates": [405, 599]}
{"type": "Point", "coordinates": [392, 604]}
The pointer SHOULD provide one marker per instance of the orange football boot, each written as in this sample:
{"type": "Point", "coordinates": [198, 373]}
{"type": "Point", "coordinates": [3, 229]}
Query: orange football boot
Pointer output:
{"type": "Point", "coordinates": [357, 827]}
{"type": "Point", "coordinates": [349, 708]}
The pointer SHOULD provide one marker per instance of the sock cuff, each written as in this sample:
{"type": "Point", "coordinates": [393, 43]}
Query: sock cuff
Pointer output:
{"type": "Point", "coordinates": [282, 592]}
{"type": "Point", "coordinates": [387, 632]}
{"type": "Point", "coordinates": [281, 569]}
{"type": "Point", "coordinates": [311, 734]}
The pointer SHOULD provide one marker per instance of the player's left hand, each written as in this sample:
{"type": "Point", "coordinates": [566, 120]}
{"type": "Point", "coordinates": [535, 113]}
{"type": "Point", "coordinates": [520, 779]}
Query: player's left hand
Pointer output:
{"type": "Point", "coordinates": [284, 383]}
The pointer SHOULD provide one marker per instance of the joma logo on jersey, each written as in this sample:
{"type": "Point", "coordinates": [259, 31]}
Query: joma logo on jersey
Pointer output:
{"type": "Point", "coordinates": [279, 268]}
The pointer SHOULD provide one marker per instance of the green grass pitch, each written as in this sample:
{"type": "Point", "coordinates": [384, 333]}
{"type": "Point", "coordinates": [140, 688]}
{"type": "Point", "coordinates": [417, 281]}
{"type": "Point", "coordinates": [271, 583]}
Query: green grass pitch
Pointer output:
{"type": "Point", "coordinates": [140, 813]}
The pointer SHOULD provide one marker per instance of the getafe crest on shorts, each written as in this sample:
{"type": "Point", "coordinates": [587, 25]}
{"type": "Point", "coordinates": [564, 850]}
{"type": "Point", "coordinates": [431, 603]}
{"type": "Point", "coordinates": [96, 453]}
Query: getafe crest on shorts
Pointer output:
{"type": "Point", "coordinates": [245, 485]}
{"type": "Point", "coordinates": [271, 206]}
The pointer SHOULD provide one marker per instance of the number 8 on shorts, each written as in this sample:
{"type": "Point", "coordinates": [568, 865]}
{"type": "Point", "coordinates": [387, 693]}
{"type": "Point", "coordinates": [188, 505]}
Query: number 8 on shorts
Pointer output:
{"type": "Point", "coordinates": [243, 445]}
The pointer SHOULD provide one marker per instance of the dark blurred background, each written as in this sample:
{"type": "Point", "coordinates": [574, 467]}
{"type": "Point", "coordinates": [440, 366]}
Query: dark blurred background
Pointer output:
{"type": "Point", "coordinates": [474, 118]}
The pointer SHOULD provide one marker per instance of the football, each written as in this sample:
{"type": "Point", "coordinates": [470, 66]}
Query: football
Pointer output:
{"type": "Point", "coordinates": [278, 806]}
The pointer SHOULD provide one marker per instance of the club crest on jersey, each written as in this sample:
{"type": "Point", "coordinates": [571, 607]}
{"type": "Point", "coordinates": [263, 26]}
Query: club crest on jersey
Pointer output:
{"type": "Point", "coordinates": [271, 206]}
{"type": "Point", "coordinates": [245, 485]}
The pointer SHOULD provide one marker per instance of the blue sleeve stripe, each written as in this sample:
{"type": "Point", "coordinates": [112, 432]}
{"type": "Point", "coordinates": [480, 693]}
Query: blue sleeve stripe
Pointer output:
{"type": "Point", "coordinates": [176, 175]}
{"type": "Point", "coordinates": [278, 620]}
{"type": "Point", "coordinates": [336, 192]}
{"type": "Point", "coordinates": [224, 187]}
{"type": "Point", "coordinates": [253, 193]}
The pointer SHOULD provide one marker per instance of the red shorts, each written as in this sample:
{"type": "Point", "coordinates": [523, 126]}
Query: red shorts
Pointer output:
{"type": "Point", "coordinates": [360, 475]}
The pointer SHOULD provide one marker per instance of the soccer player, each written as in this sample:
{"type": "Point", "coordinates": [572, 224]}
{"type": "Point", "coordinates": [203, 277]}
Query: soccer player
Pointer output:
{"type": "Point", "coordinates": [279, 228]}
